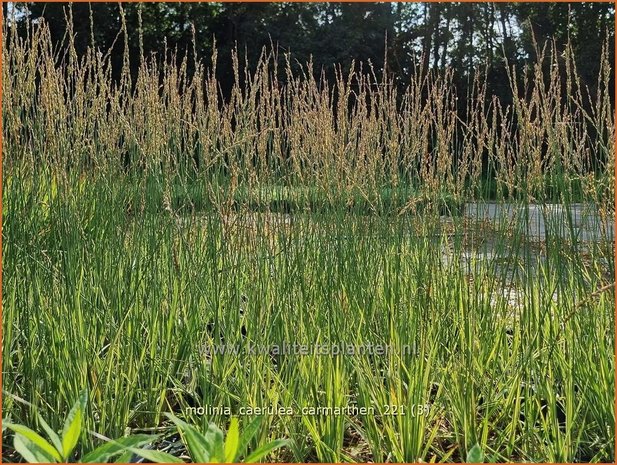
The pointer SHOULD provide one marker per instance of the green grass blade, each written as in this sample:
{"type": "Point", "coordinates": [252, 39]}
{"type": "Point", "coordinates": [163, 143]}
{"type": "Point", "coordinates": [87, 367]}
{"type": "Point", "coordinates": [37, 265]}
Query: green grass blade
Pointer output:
{"type": "Point", "coordinates": [53, 436]}
{"type": "Point", "coordinates": [248, 434]}
{"type": "Point", "coordinates": [264, 450]}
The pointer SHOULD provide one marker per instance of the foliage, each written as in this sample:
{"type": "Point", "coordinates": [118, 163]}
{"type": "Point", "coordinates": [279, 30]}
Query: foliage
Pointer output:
{"type": "Point", "coordinates": [212, 448]}
{"type": "Point", "coordinates": [475, 455]}
{"type": "Point", "coordinates": [147, 223]}
{"type": "Point", "coordinates": [59, 449]}
{"type": "Point", "coordinates": [203, 448]}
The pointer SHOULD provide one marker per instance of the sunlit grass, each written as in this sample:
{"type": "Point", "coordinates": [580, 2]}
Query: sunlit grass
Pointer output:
{"type": "Point", "coordinates": [287, 216]}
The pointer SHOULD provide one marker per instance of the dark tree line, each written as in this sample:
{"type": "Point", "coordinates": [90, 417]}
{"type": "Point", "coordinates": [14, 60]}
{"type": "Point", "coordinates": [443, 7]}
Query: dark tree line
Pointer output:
{"type": "Point", "coordinates": [465, 36]}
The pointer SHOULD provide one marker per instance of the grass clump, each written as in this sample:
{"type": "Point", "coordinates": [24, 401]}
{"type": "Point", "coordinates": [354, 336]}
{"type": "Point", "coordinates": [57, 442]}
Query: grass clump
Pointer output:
{"type": "Point", "coordinates": [147, 225]}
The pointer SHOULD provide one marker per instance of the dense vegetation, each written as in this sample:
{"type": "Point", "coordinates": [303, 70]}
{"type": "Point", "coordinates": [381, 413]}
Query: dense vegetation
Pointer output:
{"type": "Point", "coordinates": [148, 218]}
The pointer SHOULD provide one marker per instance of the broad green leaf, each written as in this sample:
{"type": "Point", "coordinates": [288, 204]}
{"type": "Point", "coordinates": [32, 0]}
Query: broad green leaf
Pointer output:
{"type": "Point", "coordinates": [31, 452]}
{"type": "Point", "coordinates": [36, 439]}
{"type": "Point", "coordinates": [232, 441]}
{"type": "Point", "coordinates": [248, 434]}
{"type": "Point", "coordinates": [475, 455]}
{"type": "Point", "coordinates": [197, 445]}
{"type": "Point", "coordinates": [194, 440]}
{"type": "Point", "coordinates": [125, 457]}
{"type": "Point", "coordinates": [105, 451]}
{"type": "Point", "coordinates": [214, 443]}
{"type": "Point", "coordinates": [51, 434]}
{"type": "Point", "coordinates": [264, 450]}
{"type": "Point", "coordinates": [72, 426]}
{"type": "Point", "coordinates": [155, 456]}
